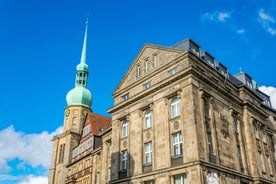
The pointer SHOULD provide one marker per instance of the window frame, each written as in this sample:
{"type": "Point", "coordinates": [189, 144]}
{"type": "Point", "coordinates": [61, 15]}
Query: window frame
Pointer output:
{"type": "Point", "coordinates": [175, 107]}
{"type": "Point", "coordinates": [124, 128]}
{"type": "Point", "coordinates": [177, 144]}
{"type": "Point", "coordinates": [148, 119]}
{"type": "Point", "coordinates": [148, 153]}
{"type": "Point", "coordinates": [124, 159]}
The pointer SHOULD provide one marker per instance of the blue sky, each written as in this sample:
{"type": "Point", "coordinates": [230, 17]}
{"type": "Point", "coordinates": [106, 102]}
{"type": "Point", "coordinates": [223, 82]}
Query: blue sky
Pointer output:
{"type": "Point", "coordinates": [41, 42]}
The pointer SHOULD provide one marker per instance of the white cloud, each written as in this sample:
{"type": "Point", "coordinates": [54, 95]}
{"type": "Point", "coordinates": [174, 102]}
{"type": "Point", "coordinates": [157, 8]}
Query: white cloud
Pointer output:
{"type": "Point", "coordinates": [265, 17]}
{"type": "Point", "coordinates": [220, 16]}
{"type": "Point", "coordinates": [267, 22]}
{"type": "Point", "coordinates": [34, 180]}
{"type": "Point", "coordinates": [32, 149]}
{"type": "Point", "coordinates": [240, 31]}
{"type": "Point", "coordinates": [270, 91]}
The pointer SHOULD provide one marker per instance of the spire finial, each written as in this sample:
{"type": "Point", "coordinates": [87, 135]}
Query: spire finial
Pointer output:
{"type": "Point", "coordinates": [83, 54]}
{"type": "Point", "coordinates": [87, 15]}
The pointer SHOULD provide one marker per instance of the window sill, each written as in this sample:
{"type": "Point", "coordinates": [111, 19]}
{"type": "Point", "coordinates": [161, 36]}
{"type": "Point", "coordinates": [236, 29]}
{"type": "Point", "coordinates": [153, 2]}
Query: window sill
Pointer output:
{"type": "Point", "coordinates": [177, 156]}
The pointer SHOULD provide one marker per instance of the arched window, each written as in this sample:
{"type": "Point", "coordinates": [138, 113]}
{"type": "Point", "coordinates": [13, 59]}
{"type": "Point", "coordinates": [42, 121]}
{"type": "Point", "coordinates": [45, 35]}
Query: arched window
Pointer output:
{"type": "Point", "coordinates": [125, 128]}
{"type": "Point", "coordinates": [175, 108]}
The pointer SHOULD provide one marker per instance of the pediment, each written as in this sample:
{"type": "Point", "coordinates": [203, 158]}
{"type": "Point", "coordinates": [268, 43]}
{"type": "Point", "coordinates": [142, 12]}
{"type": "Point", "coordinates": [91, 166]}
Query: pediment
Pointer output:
{"type": "Point", "coordinates": [147, 53]}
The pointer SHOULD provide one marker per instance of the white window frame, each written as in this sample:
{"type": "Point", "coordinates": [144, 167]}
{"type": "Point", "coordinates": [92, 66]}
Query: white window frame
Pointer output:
{"type": "Point", "coordinates": [155, 58]}
{"type": "Point", "coordinates": [175, 107]}
{"type": "Point", "coordinates": [148, 119]}
{"type": "Point", "coordinates": [177, 144]}
{"type": "Point", "coordinates": [148, 152]}
{"type": "Point", "coordinates": [146, 66]}
{"type": "Point", "coordinates": [125, 128]}
{"type": "Point", "coordinates": [180, 179]}
{"type": "Point", "coordinates": [124, 159]}
{"type": "Point", "coordinates": [138, 71]}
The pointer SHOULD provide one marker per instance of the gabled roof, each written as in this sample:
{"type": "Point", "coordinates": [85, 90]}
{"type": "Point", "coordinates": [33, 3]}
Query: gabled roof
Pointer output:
{"type": "Point", "coordinates": [140, 55]}
{"type": "Point", "coordinates": [98, 124]}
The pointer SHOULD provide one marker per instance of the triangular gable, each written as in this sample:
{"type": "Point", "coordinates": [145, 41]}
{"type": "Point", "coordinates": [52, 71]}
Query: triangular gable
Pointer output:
{"type": "Point", "coordinates": [147, 51]}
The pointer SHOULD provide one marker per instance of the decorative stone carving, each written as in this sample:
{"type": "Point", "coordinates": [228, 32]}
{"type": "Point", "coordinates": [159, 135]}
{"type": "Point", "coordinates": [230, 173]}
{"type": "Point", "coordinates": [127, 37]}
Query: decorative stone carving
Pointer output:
{"type": "Point", "coordinates": [124, 144]}
{"type": "Point", "coordinates": [148, 135]}
{"type": "Point", "coordinates": [176, 125]}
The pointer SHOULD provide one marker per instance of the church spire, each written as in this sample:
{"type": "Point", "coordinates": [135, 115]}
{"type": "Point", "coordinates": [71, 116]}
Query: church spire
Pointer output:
{"type": "Point", "coordinates": [80, 95]}
{"type": "Point", "coordinates": [83, 54]}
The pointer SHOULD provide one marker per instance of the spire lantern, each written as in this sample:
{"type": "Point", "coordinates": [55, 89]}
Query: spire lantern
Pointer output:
{"type": "Point", "coordinates": [80, 95]}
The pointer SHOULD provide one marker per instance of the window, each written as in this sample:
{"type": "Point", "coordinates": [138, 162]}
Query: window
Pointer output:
{"type": "Point", "coordinates": [86, 130]}
{"type": "Point", "coordinates": [155, 59]}
{"type": "Point", "coordinates": [240, 157]}
{"type": "Point", "coordinates": [61, 153]}
{"type": "Point", "coordinates": [261, 160]}
{"type": "Point", "coordinates": [147, 85]}
{"type": "Point", "coordinates": [125, 128]}
{"type": "Point", "coordinates": [98, 179]}
{"type": "Point", "coordinates": [146, 66]}
{"type": "Point", "coordinates": [180, 179]}
{"type": "Point", "coordinates": [138, 71]}
{"type": "Point", "coordinates": [177, 144]}
{"type": "Point", "coordinates": [235, 124]}
{"type": "Point", "coordinates": [149, 182]}
{"type": "Point", "coordinates": [255, 131]}
{"type": "Point", "coordinates": [209, 143]}
{"type": "Point", "coordinates": [124, 160]}
{"type": "Point", "coordinates": [263, 135]}
{"type": "Point", "coordinates": [175, 108]}
{"type": "Point", "coordinates": [148, 153]}
{"type": "Point", "coordinates": [148, 119]}
{"type": "Point", "coordinates": [75, 152]}
{"type": "Point", "coordinates": [108, 174]}
{"type": "Point", "coordinates": [271, 142]}
{"type": "Point", "coordinates": [172, 72]}
{"type": "Point", "coordinates": [126, 97]}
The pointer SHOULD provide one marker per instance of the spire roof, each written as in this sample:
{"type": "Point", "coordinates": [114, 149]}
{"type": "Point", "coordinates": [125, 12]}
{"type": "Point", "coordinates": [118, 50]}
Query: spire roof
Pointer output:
{"type": "Point", "coordinates": [80, 95]}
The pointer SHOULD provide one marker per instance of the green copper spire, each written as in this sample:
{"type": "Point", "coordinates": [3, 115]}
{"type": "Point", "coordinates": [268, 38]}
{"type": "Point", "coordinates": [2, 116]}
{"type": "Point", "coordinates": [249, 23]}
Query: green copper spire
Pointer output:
{"type": "Point", "coordinates": [83, 65]}
{"type": "Point", "coordinates": [80, 95]}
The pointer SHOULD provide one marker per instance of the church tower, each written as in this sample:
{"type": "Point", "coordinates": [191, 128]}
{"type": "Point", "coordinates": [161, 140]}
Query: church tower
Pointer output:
{"type": "Point", "coordinates": [79, 100]}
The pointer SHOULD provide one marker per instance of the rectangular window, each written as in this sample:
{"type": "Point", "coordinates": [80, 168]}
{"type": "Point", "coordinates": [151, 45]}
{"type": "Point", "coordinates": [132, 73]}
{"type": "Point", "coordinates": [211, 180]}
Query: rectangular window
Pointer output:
{"type": "Point", "coordinates": [148, 119]}
{"type": "Point", "coordinates": [177, 144]}
{"type": "Point", "coordinates": [98, 179]}
{"type": "Point", "coordinates": [175, 108]}
{"type": "Point", "coordinates": [240, 157]}
{"type": "Point", "coordinates": [261, 160]}
{"type": "Point", "coordinates": [271, 142]}
{"type": "Point", "coordinates": [109, 174]}
{"type": "Point", "coordinates": [235, 124]}
{"type": "Point", "coordinates": [147, 85]}
{"type": "Point", "coordinates": [172, 72]}
{"type": "Point", "coordinates": [124, 160]}
{"type": "Point", "coordinates": [126, 97]}
{"type": "Point", "coordinates": [148, 153]}
{"type": "Point", "coordinates": [209, 143]}
{"type": "Point", "coordinates": [125, 128]}
{"type": "Point", "coordinates": [180, 179]}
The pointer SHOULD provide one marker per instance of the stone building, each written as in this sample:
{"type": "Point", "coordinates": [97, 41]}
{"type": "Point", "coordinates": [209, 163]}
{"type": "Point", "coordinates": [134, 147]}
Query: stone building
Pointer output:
{"type": "Point", "coordinates": [180, 117]}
